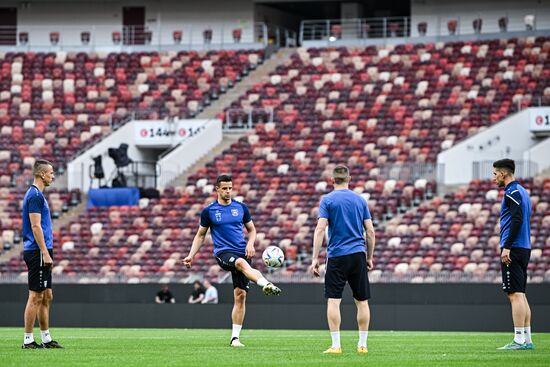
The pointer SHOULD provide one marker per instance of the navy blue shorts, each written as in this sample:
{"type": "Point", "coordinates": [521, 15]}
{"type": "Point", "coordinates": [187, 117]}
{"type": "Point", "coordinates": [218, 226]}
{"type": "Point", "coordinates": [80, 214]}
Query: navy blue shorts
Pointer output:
{"type": "Point", "coordinates": [348, 268]}
{"type": "Point", "coordinates": [40, 276]}
{"type": "Point", "coordinates": [514, 275]}
{"type": "Point", "coordinates": [226, 260]}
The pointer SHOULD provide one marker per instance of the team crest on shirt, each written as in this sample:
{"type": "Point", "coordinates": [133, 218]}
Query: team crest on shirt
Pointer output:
{"type": "Point", "coordinates": [218, 215]}
{"type": "Point", "coordinates": [235, 212]}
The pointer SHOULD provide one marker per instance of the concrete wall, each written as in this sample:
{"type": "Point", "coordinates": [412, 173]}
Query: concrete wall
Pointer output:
{"type": "Point", "coordinates": [509, 138]}
{"type": "Point", "coordinates": [453, 307]}
{"type": "Point", "coordinates": [539, 155]}
{"type": "Point", "coordinates": [273, 16]}
{"type": "Point", "coordinates": [192, 148]}
{"type": "Point", "coordinates": [161, 17]}
{"type": "Point", "coordinates": [190, 151]}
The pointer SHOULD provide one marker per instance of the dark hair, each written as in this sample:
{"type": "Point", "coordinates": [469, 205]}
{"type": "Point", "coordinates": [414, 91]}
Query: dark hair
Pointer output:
{"type": "Point", "coordinates": [223, 178]}
{"type": "Point", "coordinates": [340, 174]}
{"type": "Point", "coordinates": [506, 164]}
{"type": "Point", "coordinates": [39, 166]}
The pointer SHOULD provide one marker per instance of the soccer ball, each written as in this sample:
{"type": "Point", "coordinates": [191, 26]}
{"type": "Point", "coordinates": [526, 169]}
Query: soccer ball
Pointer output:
{"type": "Point", "coordinates": [273, 257]}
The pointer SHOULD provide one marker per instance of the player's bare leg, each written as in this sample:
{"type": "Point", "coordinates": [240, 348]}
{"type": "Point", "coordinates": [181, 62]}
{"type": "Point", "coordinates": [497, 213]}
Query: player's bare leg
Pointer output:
{"type": "Point", "coordinates": [363, 320]}
{"type": "Point", "coordinates": [527, 325]}
{"type": "Point", "coordinates": [237, 315]}
{"type": "Point", "coordinates": [257, 277]}
{"type": "Point", "coordinates": [519, 314]}
{"type": "Point", "coordinates": [31, 310]}
{"type": "Point", "coordinates": [44, 310]}
{"type": "Point", "coordinates": [44, 320]}
{"type": "Point", "coordinates": [333, 314]}
{"type": "Point", "coordinates": [334, 320]}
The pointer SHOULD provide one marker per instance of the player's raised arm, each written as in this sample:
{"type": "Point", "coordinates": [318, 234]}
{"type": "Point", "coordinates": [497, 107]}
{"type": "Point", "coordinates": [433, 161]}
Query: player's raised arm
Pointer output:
{"type": "Point", "coordinates": [318, 237]}
{"type": "Point", "coordinates": [195, 247]}
{"type": "Point", "coordinates": [369, 228]}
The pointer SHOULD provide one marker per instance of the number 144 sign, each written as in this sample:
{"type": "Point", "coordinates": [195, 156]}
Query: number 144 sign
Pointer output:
{"type": "Point", "coordinates": [160, 133]}
{"type": "Point", "coordinates": [539, 119]}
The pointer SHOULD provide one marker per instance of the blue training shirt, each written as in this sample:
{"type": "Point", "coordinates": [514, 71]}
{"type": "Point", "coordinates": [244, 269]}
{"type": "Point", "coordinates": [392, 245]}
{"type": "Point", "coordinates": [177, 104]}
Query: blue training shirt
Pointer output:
{"type": "Point", "coordinates": [346, 212]}
{"type": "Point", "coordinates": [35, 202]}
{"type": "Point", "coordinates": [226, 223]}
{"type": "Point", "coordinates": [515, 217]}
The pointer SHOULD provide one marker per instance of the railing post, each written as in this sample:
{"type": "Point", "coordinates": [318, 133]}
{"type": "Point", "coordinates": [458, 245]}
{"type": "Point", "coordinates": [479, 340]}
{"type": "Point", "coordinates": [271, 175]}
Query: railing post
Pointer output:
{"type": "Point", "coordinates": [222, 34]}
{"type": "Point", "coordinates": [159, 32]}
{"type": "Point", "coordinates": [302, 31]}
{"type": "Point", "coordinates": [93, 36]}
{"type": "Point", "coordinates": [327, 34]}
{"type": "Point", "coordinates": [384, 27]}
{"type": "Point", "coordinates": [405, 27]}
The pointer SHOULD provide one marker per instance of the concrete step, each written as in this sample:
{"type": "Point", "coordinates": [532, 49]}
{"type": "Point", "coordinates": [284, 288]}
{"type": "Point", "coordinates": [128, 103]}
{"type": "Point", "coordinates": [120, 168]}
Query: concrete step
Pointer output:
{"type": "Point", "coordinates": [246, 83]}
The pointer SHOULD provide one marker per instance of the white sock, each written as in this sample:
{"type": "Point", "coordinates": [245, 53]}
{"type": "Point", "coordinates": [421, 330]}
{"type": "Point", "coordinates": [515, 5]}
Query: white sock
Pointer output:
{"type": "Point", "coordinates": [363, 335]}
{"type": "Point", "coordinates": [519, 336]}
{"type": "Point", "coordinates": [45, 335]}
{"type": "Point", "coordinates": [262, 282]}
{"type": "Point", "coordinates": [335, 339]}
{"type": "Point", "coordinates": [527, 333]}
{"type": "Point", "coordinates": [236, 331]}
{"type": "Point", "coordinates": [28, 338]}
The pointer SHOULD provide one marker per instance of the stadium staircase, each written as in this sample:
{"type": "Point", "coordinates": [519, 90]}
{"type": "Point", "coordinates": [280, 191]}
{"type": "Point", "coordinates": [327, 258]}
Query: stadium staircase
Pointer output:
{"type": "Point", "coordinates": [241, 88]}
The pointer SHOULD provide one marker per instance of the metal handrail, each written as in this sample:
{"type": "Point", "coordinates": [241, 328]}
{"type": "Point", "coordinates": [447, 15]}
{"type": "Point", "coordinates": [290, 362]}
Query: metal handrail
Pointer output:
{"type": "Point", "coordinates": [335, 29]}
{"type": "Point", "coordinates": [391, 27]}
{"type": "Point", "coordinates": [163, 36]}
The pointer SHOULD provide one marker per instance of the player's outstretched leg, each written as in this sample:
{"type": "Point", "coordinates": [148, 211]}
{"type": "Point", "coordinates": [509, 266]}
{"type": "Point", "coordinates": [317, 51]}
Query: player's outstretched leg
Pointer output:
{"type": "Point", "coordinates": [271, 289]}
{"type": "Point", "coordinates": [254, 275]}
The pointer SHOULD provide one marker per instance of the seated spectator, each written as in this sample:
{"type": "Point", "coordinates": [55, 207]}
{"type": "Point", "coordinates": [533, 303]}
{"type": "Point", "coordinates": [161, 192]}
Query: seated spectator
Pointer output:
{"type": "Point", "coordinates": [165, 296]}
{"type": "Point", "coordinates": [211, 293]}
{"type": "Point", "coordinates": [198, 293]}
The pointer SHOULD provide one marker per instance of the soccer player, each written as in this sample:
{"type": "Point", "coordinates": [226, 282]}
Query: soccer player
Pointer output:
{"type": "Point", "coordinates": [226, 218]}
{"type": "Point", "coordinates": [515, 245]}
{"type": "Point", "coordinates": [38, 255]}
{"type": "Point", "coordinates": [347, 216]}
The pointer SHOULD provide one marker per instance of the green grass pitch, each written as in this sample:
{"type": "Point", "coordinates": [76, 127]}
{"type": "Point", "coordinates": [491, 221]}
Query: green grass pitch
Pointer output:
{"type": "Point", "coordinates": [199, 347]}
